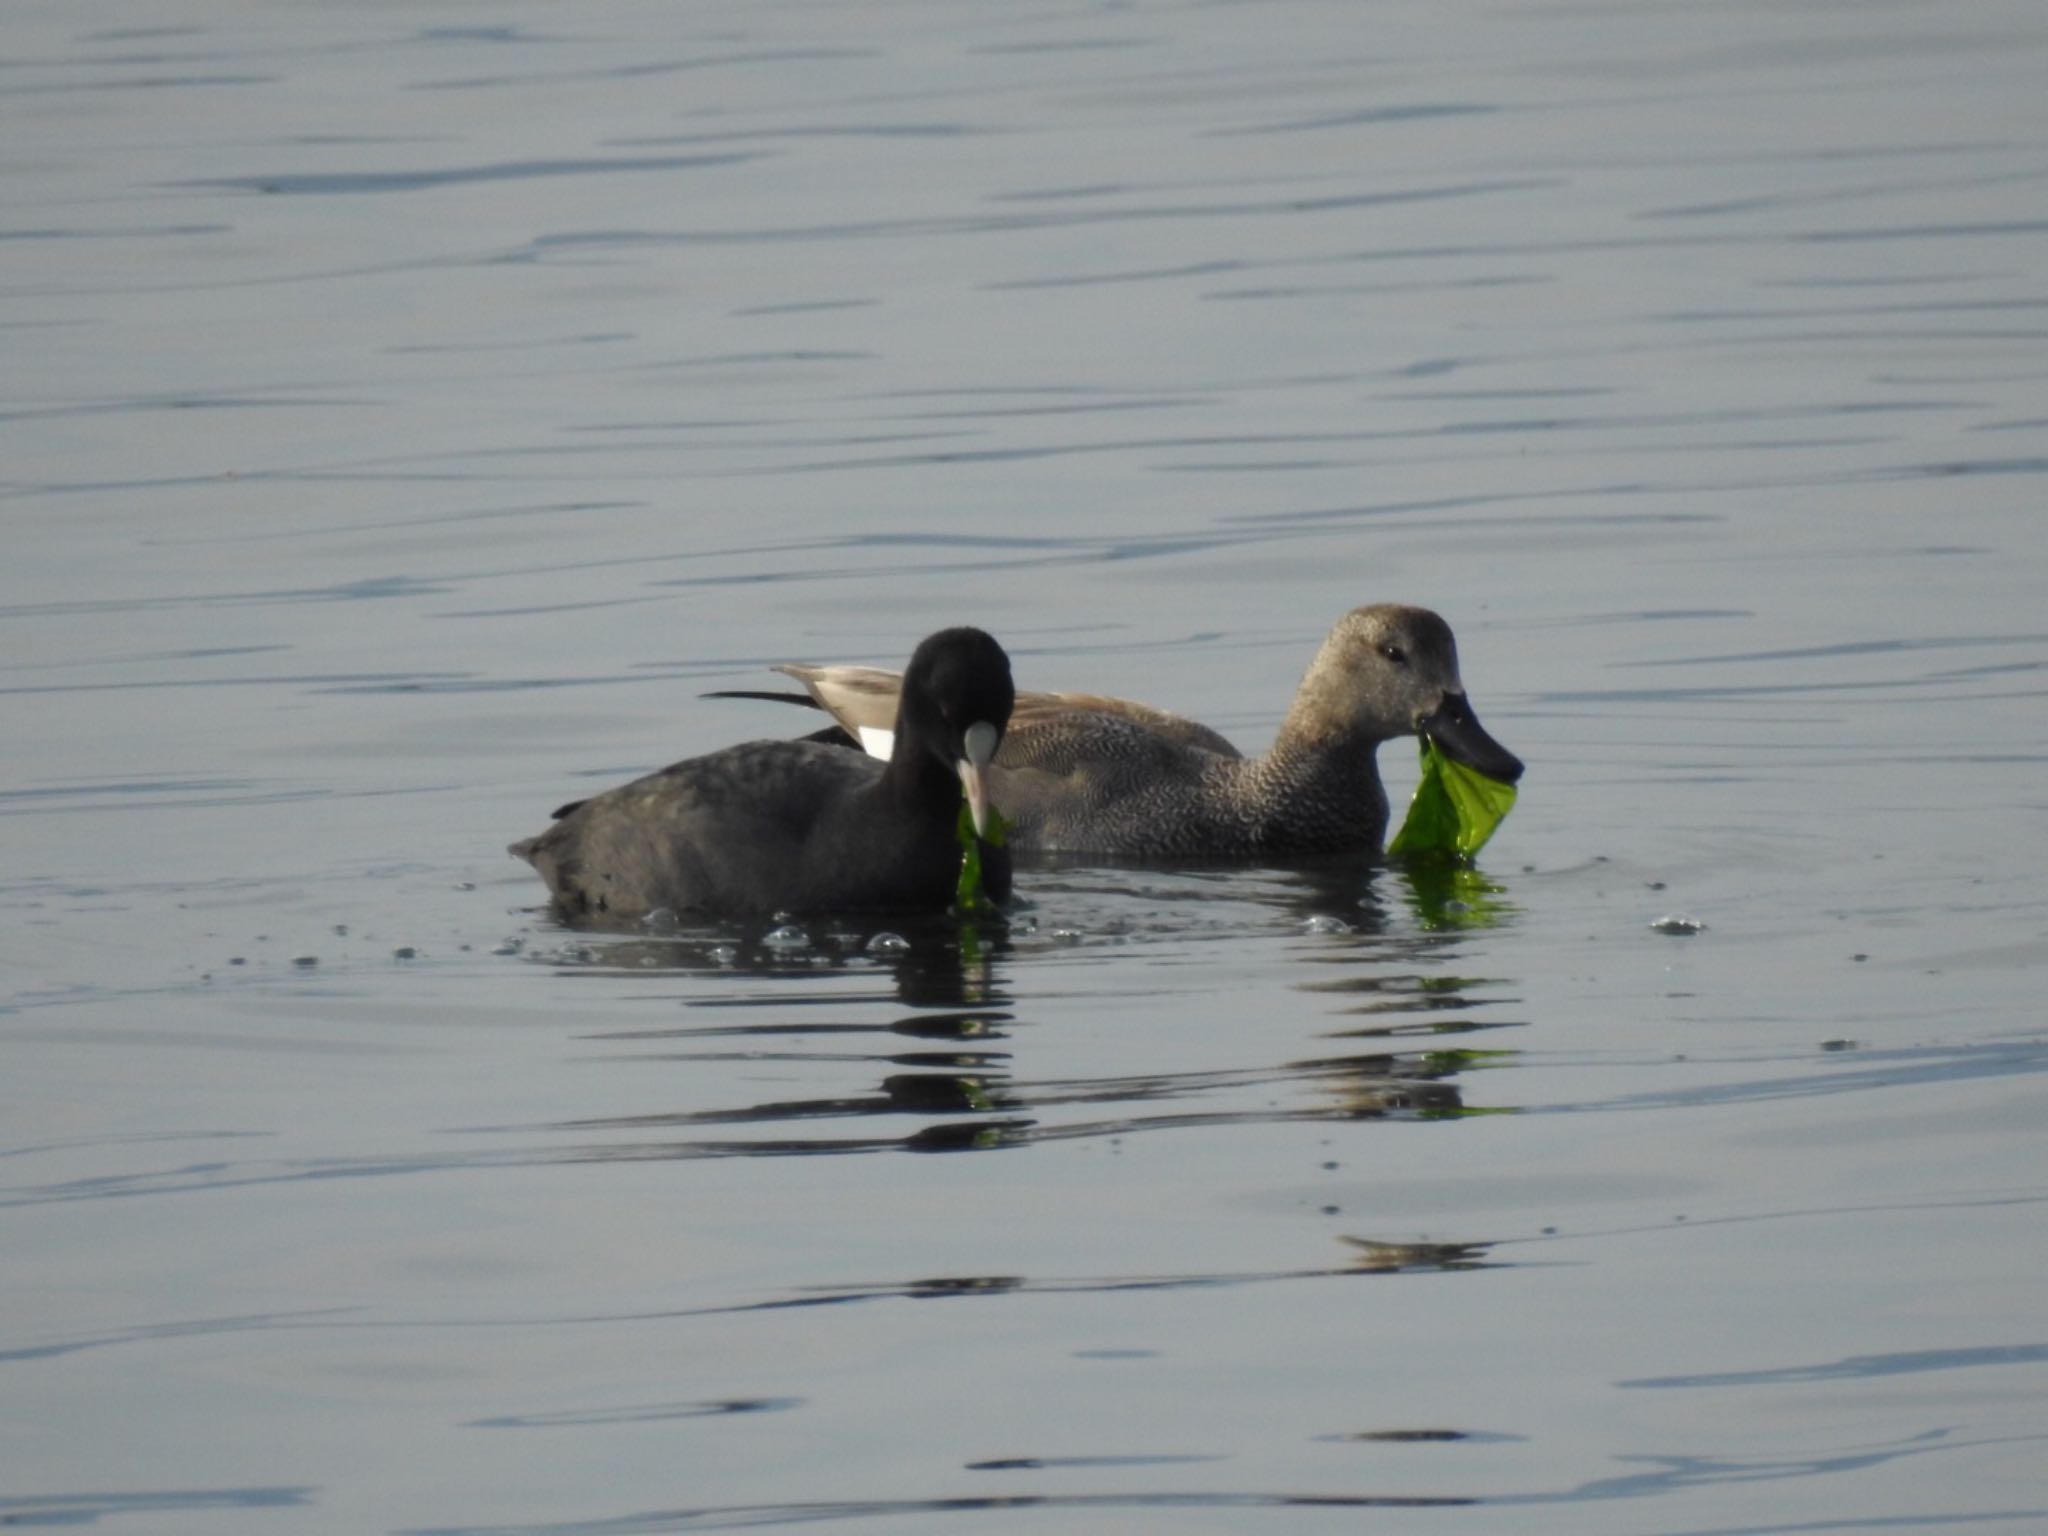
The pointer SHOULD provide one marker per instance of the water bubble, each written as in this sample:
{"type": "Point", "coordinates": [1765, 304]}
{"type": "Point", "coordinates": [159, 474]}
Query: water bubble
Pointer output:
{"type": "Point", "coordinates": [1671, 922]}
{"type": "Point", "coordinates": [724, 954]}
{"type": "Point", "coordinates": [888, 944]}
{"type": "Point", "coordinates": [660, 920]}
{"type": "Point", "coordinates": [1322, 922]}
{"type": "Point", "coordinates": [786, 936]}
{"type": "Point", "coordinates": [1066, 935]}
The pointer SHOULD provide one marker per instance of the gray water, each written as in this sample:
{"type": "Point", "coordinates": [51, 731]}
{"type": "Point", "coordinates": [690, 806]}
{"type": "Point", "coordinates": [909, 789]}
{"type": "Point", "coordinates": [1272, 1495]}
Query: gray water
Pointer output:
{"type": "Point", "coordinates": [410, 411]}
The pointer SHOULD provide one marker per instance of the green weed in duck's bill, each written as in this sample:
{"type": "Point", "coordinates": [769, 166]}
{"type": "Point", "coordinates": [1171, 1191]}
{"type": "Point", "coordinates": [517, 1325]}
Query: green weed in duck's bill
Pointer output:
{"type": "Point", "coordinates": [1454, 811]}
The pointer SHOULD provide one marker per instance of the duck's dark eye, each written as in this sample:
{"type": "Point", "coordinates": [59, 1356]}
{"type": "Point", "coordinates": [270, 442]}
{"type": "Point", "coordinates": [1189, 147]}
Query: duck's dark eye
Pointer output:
{"type": "Point", "coordinates": [1395, 654]}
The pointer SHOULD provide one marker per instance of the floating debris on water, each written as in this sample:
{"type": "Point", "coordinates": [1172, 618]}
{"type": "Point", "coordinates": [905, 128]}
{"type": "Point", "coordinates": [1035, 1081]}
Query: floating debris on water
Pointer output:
{"type": "Point", "coordinates": [1066, 935]}
{"type": "Point", "coordinates": [405, 952]}
{"type": "Point", "coordinates": [305, 962]}
{"type": "Point", "coordinates": [508, 947]}
{"type": "Point", "coordinates": [1671, 922]}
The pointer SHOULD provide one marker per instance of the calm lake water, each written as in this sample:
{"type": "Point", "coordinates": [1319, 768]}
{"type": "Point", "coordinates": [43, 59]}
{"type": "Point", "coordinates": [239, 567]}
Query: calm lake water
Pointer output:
{"type": "Point", "coordinates": [412, 410]}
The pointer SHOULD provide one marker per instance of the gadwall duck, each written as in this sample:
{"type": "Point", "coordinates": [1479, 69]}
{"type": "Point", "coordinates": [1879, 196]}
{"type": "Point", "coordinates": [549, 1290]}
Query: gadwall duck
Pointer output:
{"type": "Point", "coordinates": [794, 825]}
{"type": "Point", "coordinates": [1079, 773]}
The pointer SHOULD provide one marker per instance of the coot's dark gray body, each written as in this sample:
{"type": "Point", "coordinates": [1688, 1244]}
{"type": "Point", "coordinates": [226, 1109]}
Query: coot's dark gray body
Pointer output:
{"type": "Point", "coordinates": [791, 825]}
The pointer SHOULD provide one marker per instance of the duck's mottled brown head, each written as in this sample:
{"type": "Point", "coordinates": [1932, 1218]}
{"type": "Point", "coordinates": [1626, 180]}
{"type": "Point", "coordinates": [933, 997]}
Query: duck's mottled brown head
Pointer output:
{"type": "Point", "coordinates": [1390, 670]}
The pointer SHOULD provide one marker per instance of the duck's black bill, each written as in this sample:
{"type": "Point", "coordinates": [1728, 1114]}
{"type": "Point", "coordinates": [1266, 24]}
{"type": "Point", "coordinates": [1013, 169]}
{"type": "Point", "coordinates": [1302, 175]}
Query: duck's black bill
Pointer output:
{"type": "Point", "coordinates": [1460, 737]}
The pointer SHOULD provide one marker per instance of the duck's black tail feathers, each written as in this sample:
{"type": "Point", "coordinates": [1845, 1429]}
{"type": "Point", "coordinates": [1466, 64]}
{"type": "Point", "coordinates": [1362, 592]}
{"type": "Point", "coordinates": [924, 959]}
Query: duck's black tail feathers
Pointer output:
{"type": "Point", "coordinates": [831, 735]}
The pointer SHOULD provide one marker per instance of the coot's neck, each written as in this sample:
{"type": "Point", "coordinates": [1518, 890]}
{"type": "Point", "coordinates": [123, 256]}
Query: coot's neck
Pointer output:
{"type": "Point", "coordinates": [916, 779]}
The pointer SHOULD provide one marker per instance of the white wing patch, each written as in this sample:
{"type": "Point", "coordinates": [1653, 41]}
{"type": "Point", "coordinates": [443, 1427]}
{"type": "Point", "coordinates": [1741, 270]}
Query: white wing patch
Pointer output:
{"type": "Point", "coordinates": [877, 741]}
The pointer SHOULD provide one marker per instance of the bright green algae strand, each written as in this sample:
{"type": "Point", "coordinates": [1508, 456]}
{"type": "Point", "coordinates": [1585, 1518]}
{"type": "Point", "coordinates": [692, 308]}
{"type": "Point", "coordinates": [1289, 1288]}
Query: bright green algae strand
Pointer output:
{"type": "Point", "coordinates": [969, 895]}
{"type": "Point", "coordinates": [1455, 809]}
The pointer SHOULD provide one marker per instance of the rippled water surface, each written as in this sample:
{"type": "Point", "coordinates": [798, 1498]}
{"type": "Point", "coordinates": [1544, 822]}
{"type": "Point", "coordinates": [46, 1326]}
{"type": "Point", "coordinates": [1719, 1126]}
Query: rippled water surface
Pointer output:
{"type": "Point", "coordinates": [412, 411]}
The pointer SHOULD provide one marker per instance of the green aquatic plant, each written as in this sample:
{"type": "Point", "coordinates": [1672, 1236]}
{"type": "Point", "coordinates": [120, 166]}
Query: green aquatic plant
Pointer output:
{"type": "Point", "coordinates": [1454, 811]}
{"type": "Point", "coordinates": [970, 896]}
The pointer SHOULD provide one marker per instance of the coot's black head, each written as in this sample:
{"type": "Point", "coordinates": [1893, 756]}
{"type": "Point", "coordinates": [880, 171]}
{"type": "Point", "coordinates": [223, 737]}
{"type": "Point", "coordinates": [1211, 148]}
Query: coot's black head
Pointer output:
{"type": "Point", "coordinates": [956, 704]}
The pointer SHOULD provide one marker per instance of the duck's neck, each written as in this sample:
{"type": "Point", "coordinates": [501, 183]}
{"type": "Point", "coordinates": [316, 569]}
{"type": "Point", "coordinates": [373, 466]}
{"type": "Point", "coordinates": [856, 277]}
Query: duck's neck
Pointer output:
{"type": "Point", "coordinates": [1320, 788]}
{"type": "Point", "coordinates": [1308, 761]}
{"type": "Point", "coordinates": [1330, 733]}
